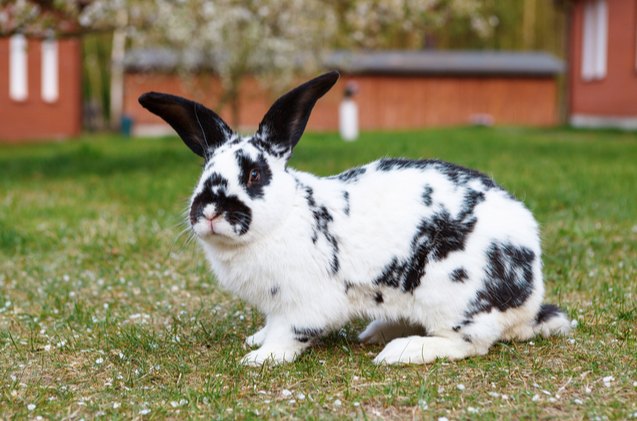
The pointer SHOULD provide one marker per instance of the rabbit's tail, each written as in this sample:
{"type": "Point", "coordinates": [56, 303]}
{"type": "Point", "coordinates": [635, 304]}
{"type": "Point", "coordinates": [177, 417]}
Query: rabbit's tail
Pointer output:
{"type": "Point", "coordinates": [550, 320]}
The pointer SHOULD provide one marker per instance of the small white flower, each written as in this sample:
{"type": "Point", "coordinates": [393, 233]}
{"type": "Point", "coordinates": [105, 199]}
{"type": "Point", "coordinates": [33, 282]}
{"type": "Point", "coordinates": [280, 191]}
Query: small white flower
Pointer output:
{"type": "Point", "coordinates": [574, 323]}
{"type": "Point", "coordinates": [443, 419]}
{"type": "Point", "coordinates": [338, 402]}
{"type": "Point", "coordinates": [423, 404]}
{"type": "Point", "coordinates": [608, 380]}
{"type": "Point", "coordinates": [300, 396]}
{"type": "Point", "coordinates": [116, 405]}
{"type": "Point", "coordinates": [578, 401]}
{"type": "Point", "coordinates": [285, 393]}
{"type": "Point", "coordinates": [460, 387]}
{"type": "Point", "coordinates": [31, 406]}
{"type": "Point", "coordinates": [144, 411]}
{"type": "Point", "coordinates": [47, 347]}
{"type": "Point", "coordinates": [535, 398]}
{"type": "Point", "coordinates": [571, 341]}
{"type": "Point", "coordinates": [472, 410]}
{"type": "Point", "coordinates": [99, 361]}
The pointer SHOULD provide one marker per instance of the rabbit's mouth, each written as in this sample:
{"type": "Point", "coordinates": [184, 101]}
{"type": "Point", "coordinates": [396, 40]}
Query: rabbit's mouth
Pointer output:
{"type": "Point", "coordinates": [206, 226]}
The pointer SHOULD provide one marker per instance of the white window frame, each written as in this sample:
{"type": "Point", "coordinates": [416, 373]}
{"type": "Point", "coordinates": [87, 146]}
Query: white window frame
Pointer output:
{"type": "Point", "coordinates": [18, 68]}
{"type": "Point", "coordinates": [594, 40]}
{"type": "Point", "coordinates": [50, 70]}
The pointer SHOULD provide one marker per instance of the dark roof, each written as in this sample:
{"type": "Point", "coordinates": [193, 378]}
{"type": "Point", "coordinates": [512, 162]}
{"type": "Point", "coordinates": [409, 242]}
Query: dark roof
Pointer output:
{"type": "Point", "coordinates": [468, 63]}
{"type": "Point", "coordinates": [446, 63]}
{"type": "Point", "coordinates": [165, 60]}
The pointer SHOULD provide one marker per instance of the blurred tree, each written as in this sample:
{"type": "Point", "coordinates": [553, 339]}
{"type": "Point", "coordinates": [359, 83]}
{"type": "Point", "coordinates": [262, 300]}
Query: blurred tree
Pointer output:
{"type": "Point", "coordinates": [275, 39]}
{"type": "Point", "coordinates": [405, 24]}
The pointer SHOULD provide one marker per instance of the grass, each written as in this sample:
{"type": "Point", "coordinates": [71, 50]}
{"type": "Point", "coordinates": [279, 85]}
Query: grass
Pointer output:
{"type": "Point", "coordinates": [105, 310]}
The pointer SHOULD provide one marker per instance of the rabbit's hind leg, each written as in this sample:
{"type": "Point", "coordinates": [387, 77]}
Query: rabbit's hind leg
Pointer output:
{"type": "Point", "coordinates": [471, 338]}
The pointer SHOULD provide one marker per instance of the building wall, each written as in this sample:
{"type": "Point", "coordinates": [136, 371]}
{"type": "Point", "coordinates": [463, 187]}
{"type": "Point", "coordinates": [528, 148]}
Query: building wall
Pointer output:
{"type": "Point", "coordinates": [385, 102]}
{"type": "Point", "coordinates": [615, 95]}
{"type": "Point", "coordinates": [34, 118]}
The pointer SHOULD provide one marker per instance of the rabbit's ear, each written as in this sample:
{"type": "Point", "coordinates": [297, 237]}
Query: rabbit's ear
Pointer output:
{"type": "Point", "coordinates": [201, 129]}
{"type": "Point", "coordinates": [285, 122]}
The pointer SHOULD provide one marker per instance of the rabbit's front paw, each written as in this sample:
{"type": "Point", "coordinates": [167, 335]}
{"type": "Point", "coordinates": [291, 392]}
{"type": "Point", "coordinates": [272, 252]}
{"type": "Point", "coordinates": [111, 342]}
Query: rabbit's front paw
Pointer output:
{"type": "Point", "coordinates": [269, 355]}
{"type": "Point", "coordinates": [257, 339]}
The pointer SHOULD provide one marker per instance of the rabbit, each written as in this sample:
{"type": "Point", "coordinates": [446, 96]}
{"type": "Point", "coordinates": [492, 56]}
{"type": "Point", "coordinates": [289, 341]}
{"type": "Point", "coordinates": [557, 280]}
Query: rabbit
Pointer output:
{"type": "Point", "coordinates": [442, 259]}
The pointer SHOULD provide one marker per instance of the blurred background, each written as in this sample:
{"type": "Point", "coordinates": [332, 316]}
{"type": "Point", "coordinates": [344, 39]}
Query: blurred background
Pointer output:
{"type": "Point", "coordinates": [79, 65]}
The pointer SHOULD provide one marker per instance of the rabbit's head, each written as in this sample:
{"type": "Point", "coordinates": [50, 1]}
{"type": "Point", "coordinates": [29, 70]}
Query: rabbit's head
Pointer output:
{"type": "Point", "coordinates": [245, 191]}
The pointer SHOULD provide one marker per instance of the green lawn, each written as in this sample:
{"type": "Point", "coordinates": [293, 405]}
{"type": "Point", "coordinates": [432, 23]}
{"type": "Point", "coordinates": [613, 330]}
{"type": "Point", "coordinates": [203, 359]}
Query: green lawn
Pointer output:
{"type": "Point", "coordinates": [107, 309]}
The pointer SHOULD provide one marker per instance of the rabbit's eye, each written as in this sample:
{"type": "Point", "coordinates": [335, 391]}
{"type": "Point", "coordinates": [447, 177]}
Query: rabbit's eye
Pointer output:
{"type": "Point", "coordinates": [255, 177]}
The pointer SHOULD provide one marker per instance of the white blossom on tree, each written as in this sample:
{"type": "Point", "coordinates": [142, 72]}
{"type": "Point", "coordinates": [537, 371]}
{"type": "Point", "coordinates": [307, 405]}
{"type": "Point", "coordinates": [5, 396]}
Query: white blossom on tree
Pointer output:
{"type": "Point", "coordinates": [269, 39]}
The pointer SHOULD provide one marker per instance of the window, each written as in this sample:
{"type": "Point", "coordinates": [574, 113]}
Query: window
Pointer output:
{"type": "Point", "coordinates": [594, 40]}
{"type": "Point", "coordinates": [49, 70]}
{"type": "Point", "coordinates": [18, 76]}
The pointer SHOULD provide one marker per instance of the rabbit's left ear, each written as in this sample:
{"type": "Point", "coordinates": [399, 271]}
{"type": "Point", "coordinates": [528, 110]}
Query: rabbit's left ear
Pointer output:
{"type": "Point", "coordinates": [285, 121]}
{"type": "Point", "coordinates": [201, 129]}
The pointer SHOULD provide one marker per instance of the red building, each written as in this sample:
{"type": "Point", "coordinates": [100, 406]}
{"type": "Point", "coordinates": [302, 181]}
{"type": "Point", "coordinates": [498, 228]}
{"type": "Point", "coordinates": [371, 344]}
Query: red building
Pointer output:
{"type": "Point", "coordinates": [40, 88]}
{"type": "Point", "coordinates": [603, 63]}
{"type": "Point", "coordinates": [396, 89]}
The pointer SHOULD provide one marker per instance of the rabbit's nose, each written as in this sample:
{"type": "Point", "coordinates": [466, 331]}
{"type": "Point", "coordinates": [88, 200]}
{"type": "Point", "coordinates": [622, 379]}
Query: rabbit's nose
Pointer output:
{"type": "Point", "coordinates": [210, 212]}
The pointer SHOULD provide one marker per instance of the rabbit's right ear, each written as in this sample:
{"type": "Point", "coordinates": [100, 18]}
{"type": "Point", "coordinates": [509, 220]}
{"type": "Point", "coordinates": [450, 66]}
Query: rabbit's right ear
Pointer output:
{"type": "Point", "coordinates": [201, 129]}
{"type": "Point", "coordinates": [285, 121]}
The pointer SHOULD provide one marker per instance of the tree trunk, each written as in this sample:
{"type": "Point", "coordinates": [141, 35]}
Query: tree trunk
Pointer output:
{"type": "Point", "coordinates": [117, 70]}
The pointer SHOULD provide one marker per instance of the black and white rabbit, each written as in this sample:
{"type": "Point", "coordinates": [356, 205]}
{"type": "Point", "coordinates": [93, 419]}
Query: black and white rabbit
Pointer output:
{"type": "Point", "coordinates": [440, 257]}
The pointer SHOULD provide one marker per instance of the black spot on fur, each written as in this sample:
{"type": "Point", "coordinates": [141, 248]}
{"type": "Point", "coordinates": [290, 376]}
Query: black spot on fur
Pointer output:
{"type": "Point", "coordinates": [426, 195]}
{"type": "Point", "coordinates": [348, 286]}
{"type": "Point", "coordinates": [206, 196]}
{"type": "Point", "coordinates": [346, 199]}
{"type": "Point", "coordinates": [457, 174]}
{"type": "Point", "coordinates": [547, 311]}
{"type": "Point", "coordinates": [434, 239]}
{"type": "Point", "coordinates": [392, 274]}
{"type": "Point", "coordinates": [246, 165]}
{"type": "Point", "coordinates": [508, 278]}
{"type": "Point", "coordinates": [443, 234]}
{"type": "Point", "coordinates": [390, 164]}
{"type": "Point", "coordinates": [306, 334]}
{"type": "Point", "coordinates": [462, 324]}
{"type": "Point", "coordinates": [274, 290]}
{"type": "Point", "coordinates": [378, 298]}
{"type": "Point", "coordinates": [233, 210]}
{"type": "Point", "coordinates": [322, 219]}
{"type": "Point", "coordinates": [270, 148]}
{"type": "Point", "coordinates": [467, 339]}
{"type": "Point", "coordinates": [351, 175]}
{"type": "Point", "coordinates": [459, 275]}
